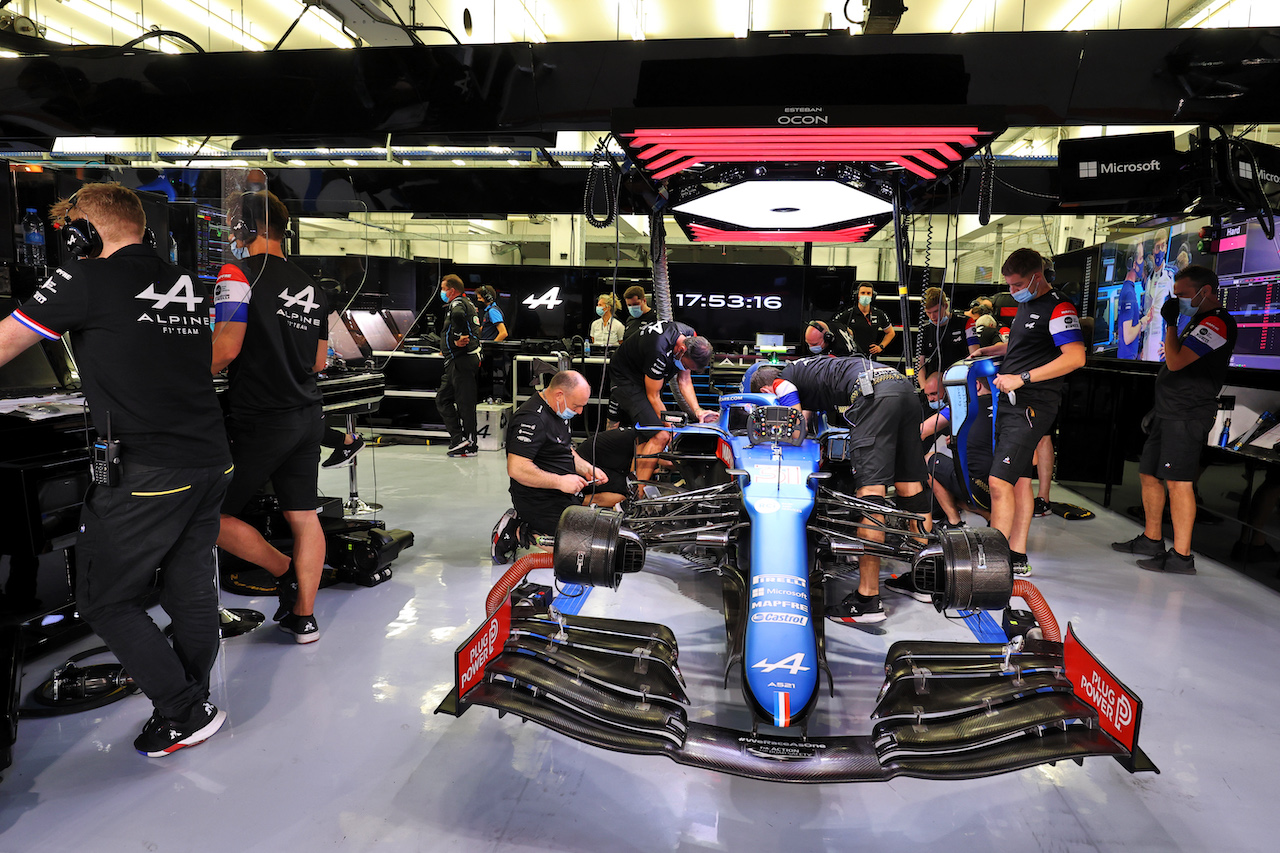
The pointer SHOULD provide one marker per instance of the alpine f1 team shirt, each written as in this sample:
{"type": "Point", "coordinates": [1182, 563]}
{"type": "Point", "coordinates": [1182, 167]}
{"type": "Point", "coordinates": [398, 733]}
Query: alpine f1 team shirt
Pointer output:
{"type": "Point", "coordinates": [285, 312]}
{"type": "Point", "coordinates": [1041, 327]}
{"type": "Point", "coordinates": [648, 354]}
{"type": "Point", "coordinates": [540, 435]}
{"type": "Point", "coordinates": [1192, 392]}
{"type": "Point", "coordinates": [139, 328]}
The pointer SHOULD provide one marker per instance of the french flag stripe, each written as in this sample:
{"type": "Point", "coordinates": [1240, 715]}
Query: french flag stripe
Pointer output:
{"type": "Point", "coordinates": [40, 330]}
{"type": "Point", "coordinates": [782, 711]}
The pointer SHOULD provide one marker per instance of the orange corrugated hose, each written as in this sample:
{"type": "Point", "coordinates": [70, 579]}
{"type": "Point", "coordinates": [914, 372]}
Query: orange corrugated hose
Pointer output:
{"type": "Point", "coordinates": [515, 574]}
{"type": "Point", "coordinates": [1027, 591]}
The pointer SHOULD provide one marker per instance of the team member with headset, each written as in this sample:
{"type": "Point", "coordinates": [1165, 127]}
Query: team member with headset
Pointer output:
{"type": "Point", "coordinates": [828, 336]}
{"type": "Point", "coordinates": [493, 326]}
{"type": "Point", "coordinates": [460, 345]}
{"type": "Point", "coordinates": [871, 328]}
{"type": "Point", "coordinates": [140, 329]}
{"type": "Point", "coordinates": [271, 334]}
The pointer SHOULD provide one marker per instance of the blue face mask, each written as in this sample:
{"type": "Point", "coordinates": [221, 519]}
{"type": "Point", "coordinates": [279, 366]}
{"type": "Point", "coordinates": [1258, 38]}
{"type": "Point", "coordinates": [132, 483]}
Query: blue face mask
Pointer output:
{"type": "Point", "coordinates": [567, 414]}
{"type": "Point", "coordinates": [864, 301]}
{"type": "Point", "coordinates": [444, 297]}
{"type": "Point", "coordinates": [1025, 295]}
{"type": "Point", "coordinates": [1159, 259]}
{"type": "Point", "coordinates": [1187, 307]}
{"type": "Point", "coordinates": [237, 251]}
{"type": "Point", "coordinates": [635, 310]}
{"type": "Point", "coordinates": [599, 310]}
{"type": "Point", "coordinates": [816, 350]}
{"type": "Point", "coordinates": [935, 404]}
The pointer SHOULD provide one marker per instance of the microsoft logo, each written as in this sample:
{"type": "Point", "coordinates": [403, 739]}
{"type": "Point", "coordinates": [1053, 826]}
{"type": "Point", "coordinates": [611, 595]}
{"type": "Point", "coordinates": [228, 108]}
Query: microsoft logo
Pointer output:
{"type": "Point", "coordinates": [1089, 169]}
{"type": "Point", "coordinates": [1246, 170]}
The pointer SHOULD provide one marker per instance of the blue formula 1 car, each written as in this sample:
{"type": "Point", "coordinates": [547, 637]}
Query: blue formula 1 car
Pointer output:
{"type": "Point", "coordinates": [771, 511]}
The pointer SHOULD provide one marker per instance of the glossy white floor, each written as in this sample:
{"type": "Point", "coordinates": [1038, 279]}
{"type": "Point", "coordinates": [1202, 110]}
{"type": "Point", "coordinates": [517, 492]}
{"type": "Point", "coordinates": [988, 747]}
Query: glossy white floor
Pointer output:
{"type": "Point", "coordinates": [334, 746]}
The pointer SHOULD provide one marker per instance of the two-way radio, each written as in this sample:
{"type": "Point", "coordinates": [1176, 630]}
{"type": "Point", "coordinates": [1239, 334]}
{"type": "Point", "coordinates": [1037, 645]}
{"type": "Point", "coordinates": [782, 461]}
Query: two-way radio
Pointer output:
{"type": "Point", "coordinates": [104, 459]}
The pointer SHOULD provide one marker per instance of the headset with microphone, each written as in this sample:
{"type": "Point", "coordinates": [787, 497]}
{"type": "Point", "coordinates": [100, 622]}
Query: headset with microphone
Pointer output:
{"type": "Point", "coordinates": [827, 337]}
{"type": "Point", "coordinates": [82, 240]}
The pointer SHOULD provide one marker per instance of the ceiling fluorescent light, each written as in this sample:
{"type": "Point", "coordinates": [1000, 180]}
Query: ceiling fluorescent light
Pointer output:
{"type": "Point", "coordinates": [105, 16]}
{"type": "Point", "coordinates": [204, 15]}
{"type": "Point", "coordinates": [1209, 10]}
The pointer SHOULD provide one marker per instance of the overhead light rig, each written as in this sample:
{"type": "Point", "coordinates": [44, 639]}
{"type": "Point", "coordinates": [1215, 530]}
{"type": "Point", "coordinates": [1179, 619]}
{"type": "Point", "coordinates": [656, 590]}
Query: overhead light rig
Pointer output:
{"type": "Point", "coordinates": [797, 173]}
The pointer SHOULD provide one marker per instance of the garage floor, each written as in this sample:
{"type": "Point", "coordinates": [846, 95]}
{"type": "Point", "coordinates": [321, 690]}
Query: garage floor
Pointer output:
{"type": "Point", "coordinates": [334, 746]}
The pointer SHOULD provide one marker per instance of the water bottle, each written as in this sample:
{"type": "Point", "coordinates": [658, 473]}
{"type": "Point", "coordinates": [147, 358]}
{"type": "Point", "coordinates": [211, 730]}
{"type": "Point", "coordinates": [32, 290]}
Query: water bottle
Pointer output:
{"type": "Point", "coordinates": [32, 239]}
{"type": "Point", "coordinates": [1225, 438]}
{"type": "Point", "coordinates": [173, 248]}
{"type": "Point", "coordinates": [586, 349]}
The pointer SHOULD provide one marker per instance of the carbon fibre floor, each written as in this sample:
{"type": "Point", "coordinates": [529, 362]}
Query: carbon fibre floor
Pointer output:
{"type": "Point", "coordinates": [334, 746]}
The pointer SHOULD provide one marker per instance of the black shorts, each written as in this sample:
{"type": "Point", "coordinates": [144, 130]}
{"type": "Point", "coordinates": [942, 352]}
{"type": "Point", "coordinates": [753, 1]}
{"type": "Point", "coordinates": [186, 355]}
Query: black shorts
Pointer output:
{"type": "Point", "coordinates": [542, 516]}
{"type": "Point", "coordinates": [1173, 447]}
{"type": "Point", "coordinates": [885, 437]}
{"type": "Point", "coordinates": [282, 448]}
{"type": "Point", "coordinates": [946, 470]}
{"type": "Point", "coordinates": [633, 407]}
{"type": "Point", "coordinates": [1018, 430]}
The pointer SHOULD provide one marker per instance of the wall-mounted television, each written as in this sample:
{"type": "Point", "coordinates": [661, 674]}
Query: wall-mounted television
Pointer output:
{"type": "Point", "coordinates": [1135, 278]}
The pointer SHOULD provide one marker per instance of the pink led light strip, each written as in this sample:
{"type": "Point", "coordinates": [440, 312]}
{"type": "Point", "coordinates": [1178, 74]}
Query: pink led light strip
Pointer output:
{"type": "Point", "coordinates": [667, 151]}
{"type": "Point", "coordinates": [708, 234]}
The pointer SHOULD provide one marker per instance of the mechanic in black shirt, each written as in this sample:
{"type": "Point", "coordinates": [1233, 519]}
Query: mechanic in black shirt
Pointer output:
{"type": "Point", "coordinates": [943, 340]}
{"type": "Point", "coordinates": [639, 314]}
{"type": "Point", "coordinates": [884, 432]}
{"type": "Point", "coordinates": [1195, 366]}
{"type": "Point", "coordinates": [460, 345]}
{"type": "Point", "coordinates": [871, 328]}
{"type": "Point", "coordinates": [272, 334]}
{"type": "Point", "coordinates": [1044, 345]}
{"type": "Point", "coordinates": [547, 475]}
{"type": "Point", "coordinates": [140, 330]}
{"type": "Point", "coordinates": [661, 350]}
{"type": "Point", "coordinates": [829, 337]}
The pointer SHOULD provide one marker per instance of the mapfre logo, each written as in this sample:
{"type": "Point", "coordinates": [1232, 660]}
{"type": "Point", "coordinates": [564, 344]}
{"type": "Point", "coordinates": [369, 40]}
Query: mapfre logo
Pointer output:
{"type": "Point", "coordinates": [304, 299]}
{"type": "Point", "coordinates": [182, 291]}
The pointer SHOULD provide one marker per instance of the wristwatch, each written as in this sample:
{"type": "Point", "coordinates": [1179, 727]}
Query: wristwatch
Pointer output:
{"type": "Point", "coordinates": [1026, 378]}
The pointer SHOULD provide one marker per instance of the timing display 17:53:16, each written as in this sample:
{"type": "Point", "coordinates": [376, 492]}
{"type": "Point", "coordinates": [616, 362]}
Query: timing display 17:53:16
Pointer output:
{"type": "Point", "coordinates": [728, 300]}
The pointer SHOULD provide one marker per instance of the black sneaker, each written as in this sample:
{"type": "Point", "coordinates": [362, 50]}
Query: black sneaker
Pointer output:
{"type": "Point", "coordinates": [905, 584]}
{"type": "Point", "coordinates": [1171, 563]}
{"type": "Point", "coordinates": [161, 736]}
{"type": "Point", "coordinates": [463, 449]}
{"type": "Point", "coordinates": [505, 539]}
{"type": "Point", "coordinates": [1141, 544]}
{"type": "Point", "coordinates": [856, 610]}
{"type": "Point", "coordinates": [287, 592]}
{"type": "Point", "coordinates": [1021, 565]}
{"type": "Point", "coordinates": [1042, 508]}
{"type": "Point", "coordinates": [343, 454]}
{"type": "Point", "coordinates": [459, 444]}
{"type": "Point", "coordinates": [303, 628]}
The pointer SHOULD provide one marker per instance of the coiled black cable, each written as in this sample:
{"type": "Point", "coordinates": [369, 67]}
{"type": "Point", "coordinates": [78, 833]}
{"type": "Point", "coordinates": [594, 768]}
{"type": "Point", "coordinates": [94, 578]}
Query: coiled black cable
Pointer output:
{"type": "Point", "coordinates": [601, 162]}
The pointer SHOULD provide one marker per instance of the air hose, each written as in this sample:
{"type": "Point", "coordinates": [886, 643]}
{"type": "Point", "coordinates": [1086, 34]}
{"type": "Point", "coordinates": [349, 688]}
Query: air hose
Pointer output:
{"type": "Point", "coordinates": [1027, 591]}
{"type": "Point", "coordinates": [511, 579]}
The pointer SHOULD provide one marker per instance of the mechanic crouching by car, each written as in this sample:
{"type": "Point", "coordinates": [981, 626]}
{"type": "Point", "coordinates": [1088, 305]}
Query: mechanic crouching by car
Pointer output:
{"type": "Point", "coordinates": [883, 413]}
{"type": "Point", "coordinates": [140, 329]}
{"type": "Point", "coordinates": [547, 475]}
{"type": "Point", "coordinates": [640, 367]}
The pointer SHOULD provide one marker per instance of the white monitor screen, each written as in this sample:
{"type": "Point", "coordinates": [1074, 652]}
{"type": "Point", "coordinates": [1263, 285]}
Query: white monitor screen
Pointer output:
{"type": "Point", "coordinates": [766, 340]}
